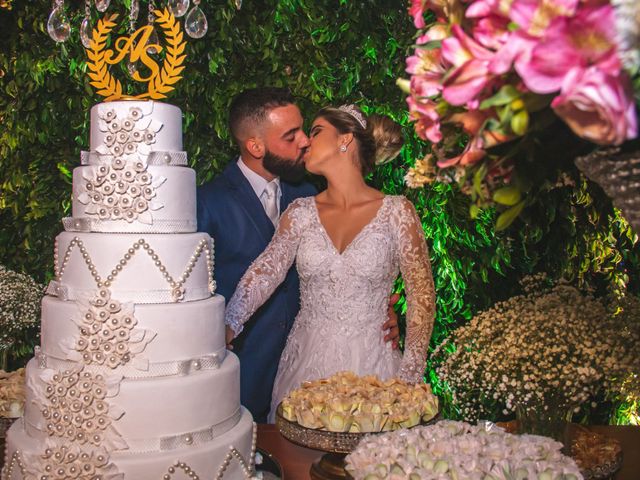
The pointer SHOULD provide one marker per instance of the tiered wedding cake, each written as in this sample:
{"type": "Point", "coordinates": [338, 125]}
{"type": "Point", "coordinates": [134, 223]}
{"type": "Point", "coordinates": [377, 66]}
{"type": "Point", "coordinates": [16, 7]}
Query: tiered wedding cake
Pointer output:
{"type": "Point", "coordinates": [132, 379]}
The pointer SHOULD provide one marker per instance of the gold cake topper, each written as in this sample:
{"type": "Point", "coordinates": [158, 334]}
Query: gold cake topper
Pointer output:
{"type": "Point", "coordinates": [160, 81]}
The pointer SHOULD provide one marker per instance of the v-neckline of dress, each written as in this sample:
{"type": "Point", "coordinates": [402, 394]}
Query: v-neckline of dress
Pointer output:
{"type": "Point", "coordinates": [353, 240]}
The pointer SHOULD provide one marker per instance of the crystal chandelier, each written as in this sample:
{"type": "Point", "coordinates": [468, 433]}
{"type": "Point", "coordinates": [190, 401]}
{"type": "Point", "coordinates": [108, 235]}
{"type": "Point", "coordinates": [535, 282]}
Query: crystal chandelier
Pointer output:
{"type": "Point", "coordinates": [195, 21]}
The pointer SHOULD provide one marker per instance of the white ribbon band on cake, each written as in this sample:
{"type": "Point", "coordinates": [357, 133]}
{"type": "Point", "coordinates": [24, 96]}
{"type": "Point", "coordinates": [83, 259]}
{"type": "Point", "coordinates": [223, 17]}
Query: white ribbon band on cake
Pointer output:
{"type": "Point", "coordinates": [86, 224]}
{"type": "Point", "coordinates": [65, 293]}
{"type": "Point", "coordinates": [144, 369]}
{"type": "Point", "coordinates": [172, 442]}
{"type": "Point", "coordinates": [177, 159]}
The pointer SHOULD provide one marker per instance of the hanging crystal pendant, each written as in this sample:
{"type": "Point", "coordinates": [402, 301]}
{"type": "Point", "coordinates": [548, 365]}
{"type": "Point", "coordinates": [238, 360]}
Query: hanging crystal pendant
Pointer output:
{"type": "Point", "coordinates": [196, 23]}
{"type": "Point", "coordinates": [135, 10]}
{"type": "Point", "coordinates": [153, 40]}
{"type": "Point", "coordinates": [178, 7]}
{"type": "Point", "coordinates": [133, 15]}
{"type": "Point", "coordinates": [58, 24]}
{"type": "Point", "coordinates": [85, 28]}
{"type": "Point", "coordinates": [153, 37]}
{"type": "Point", "coordinates": [86, 32]}
{"type": "Point", "coordinates": [132, 68]}
{"type": "Point", "coordinates": [102, 5]}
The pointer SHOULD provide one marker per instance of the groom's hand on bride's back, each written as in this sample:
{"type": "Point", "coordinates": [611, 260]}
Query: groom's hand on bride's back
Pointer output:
{"type": "Point", "coordinates": [391, 325]}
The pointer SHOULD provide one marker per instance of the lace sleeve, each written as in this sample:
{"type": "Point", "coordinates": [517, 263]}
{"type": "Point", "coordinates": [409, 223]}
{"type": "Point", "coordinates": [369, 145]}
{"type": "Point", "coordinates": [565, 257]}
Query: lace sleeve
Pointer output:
{"type": "Point", "coordinates": [266, 272]}
{"type": "Point", "coordinates": [416, 273]}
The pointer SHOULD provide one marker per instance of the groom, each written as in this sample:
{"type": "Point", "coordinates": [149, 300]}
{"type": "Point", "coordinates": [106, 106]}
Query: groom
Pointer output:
{"type": "Point", "coordinates": [240, 209]}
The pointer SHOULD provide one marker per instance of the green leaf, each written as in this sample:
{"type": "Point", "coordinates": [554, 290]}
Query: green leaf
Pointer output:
{"type": "Point", "coordinates": [505, 95]}
{"type": "Point", "coordinates": [520, 122]}
{"type": "Point", "coordinates": [507, 217]}
{"type": "Point", "coordinates": [431, 45]}
{"type": "Point", "coordinates": [508, 196]}
{"type": "Point", "coordinates": [478, 177]}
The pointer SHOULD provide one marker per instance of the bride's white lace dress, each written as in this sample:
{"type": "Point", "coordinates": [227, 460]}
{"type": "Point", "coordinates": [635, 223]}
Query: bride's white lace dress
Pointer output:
{"type": "Point", "coordinates": [344, 296]}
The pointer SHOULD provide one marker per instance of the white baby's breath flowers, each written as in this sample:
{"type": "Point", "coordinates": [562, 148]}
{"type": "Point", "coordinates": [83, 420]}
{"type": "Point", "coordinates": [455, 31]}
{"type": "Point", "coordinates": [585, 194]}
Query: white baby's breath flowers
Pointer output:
{"type": "Point", "coordinates": [20, 299]}
{"type": "Point", "coordinates": [457, 450]}
{"type": "Point", "coordinates": [551, 348]}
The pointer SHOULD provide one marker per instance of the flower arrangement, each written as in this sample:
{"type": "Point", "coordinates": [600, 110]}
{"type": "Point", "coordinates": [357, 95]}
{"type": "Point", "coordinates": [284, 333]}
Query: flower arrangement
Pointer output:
{"type": "Point", "coordinates": [552, 348]}
{"type": "Point", "coordinates": [346, 402]}
{"type": "Point", "coordinates": [20, 297]}
{"type": "Point", "coordinates": [487, 73]}
{"type": "Point", "coordinates": [457, 450]}
{"type": "Point", "coordinates": [12, 394]}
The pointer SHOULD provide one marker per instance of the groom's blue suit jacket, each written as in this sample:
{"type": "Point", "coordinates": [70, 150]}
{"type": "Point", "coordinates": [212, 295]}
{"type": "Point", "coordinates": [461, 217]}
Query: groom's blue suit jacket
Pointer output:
{"type": "Point", "coordinates": [230, 211]}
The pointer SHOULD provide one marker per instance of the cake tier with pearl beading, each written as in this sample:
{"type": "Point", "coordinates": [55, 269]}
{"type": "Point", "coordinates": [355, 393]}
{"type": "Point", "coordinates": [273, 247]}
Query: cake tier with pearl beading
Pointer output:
{"type": "Point", "coordinates": [132, 379]}
{"type": "Point", "coordinates": [135, 177]}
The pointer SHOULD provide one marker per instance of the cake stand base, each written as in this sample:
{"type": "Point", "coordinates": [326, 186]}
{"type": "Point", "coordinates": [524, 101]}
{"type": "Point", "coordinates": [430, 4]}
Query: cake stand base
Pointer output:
{"type": "Point", "coordinates": [329, 467]}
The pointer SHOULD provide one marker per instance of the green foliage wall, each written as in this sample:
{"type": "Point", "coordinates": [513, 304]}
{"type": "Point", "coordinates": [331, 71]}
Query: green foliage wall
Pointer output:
{"type": "Point", "coordinates": [326, 52]}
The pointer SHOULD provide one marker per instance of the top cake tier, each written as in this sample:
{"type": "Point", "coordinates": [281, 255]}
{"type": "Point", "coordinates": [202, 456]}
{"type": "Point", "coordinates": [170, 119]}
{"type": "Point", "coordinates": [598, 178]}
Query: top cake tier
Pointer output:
{"type": "Point", "coordinates": [153, 126]}
{"type": "Point", "coordinates": [135, 178]}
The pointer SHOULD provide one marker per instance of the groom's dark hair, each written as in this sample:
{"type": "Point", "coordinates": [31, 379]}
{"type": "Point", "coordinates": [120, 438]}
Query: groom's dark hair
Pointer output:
{"type": "Point", "coordinates": [253, 105]}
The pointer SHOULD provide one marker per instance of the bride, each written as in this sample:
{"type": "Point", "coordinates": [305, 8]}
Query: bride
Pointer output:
{"type": "Point", "coordinates": [348, 243]}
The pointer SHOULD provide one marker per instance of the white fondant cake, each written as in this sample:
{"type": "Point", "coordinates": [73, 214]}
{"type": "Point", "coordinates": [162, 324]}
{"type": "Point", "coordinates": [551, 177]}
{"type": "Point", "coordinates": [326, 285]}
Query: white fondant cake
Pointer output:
{"type": "Point", "coordinates": [135, 177]}
{"type": "Point", "coordinates": [132, 379]}
{"type": "Point", "coordinates": [172, 205]}
{"type": "Point", "coordinates": [140, 268]}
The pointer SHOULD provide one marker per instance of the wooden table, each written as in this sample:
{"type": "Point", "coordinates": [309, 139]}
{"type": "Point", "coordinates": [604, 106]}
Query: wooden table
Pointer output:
{"type": "Point", "coordinates": [296, 461]}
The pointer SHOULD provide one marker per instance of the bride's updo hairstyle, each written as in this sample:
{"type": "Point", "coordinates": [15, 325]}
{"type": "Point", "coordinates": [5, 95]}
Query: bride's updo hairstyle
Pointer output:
{"type": "Point", "coordinates": [379, 138]}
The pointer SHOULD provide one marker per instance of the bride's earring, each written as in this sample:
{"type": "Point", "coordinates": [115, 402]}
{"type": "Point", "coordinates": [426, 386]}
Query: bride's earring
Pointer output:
{"type": "Point", "coordinates": [343, 148]}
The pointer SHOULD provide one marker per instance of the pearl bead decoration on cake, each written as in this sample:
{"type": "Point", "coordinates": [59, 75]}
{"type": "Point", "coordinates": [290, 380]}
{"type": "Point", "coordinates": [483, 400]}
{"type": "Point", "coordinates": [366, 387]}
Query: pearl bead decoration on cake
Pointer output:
{"type": "Point", "coordinates": [176, 286]}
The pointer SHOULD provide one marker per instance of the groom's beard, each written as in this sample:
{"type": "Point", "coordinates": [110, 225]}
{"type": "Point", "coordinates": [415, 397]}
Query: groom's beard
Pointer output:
{"type": "Point", "coordinates": [289, 170]}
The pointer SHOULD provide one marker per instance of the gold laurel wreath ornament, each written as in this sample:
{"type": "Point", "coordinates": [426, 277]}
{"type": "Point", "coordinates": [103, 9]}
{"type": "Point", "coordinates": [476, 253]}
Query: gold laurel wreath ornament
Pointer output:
{"type": "Point", "coordinates": [160, 81]}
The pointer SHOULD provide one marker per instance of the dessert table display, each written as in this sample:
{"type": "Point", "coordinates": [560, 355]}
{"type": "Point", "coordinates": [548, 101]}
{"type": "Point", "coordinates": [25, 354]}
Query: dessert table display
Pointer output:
{"type": "Point", "coordinates": [296, 460]}
{"type": "Point", "coordinates": [334, 414]}
{"type": "Point", "coordinates": [458, 450]}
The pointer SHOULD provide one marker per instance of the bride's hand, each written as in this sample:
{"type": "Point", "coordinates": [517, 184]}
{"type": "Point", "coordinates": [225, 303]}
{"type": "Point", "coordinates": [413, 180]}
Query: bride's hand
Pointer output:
{"type": "Point", "coordinates": [229, 337]}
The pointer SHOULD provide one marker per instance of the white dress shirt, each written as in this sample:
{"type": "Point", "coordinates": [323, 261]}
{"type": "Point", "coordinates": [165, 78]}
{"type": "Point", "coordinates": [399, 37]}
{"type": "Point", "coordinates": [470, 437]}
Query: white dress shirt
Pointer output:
{"type": "Point", "coordinates": [259, 184]}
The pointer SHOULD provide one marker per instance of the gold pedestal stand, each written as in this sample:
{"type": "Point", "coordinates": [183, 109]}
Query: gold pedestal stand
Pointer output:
{"type": "Point", "coordinates": [329, 467]}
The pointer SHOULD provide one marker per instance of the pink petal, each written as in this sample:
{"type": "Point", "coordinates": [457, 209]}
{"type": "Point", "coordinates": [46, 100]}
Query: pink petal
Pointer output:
{"type": "Point", "coordinates": [480, 8]}
{"type": "Point", "coordinates": [464, 83]}
{"type": "Point", "coordinates": [491, 32]}
{"type": "Point", "coordinates": [545, 69]}
{"type": "Point", "coordinates": [416, 10]}
{"type": "Point", "coordinates": [453, 52]}
{"type": "Point", "coordinates": [518, 45]}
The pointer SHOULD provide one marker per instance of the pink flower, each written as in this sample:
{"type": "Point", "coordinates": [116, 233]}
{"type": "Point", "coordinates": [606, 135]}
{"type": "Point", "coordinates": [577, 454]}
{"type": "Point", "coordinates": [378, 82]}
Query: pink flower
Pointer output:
{"type": "Point", "coordinates": [534, 16]}
{"type": "Point", "coordinates": [425, 85]}
{"type": "Point", "coordinates": [491, 31]}
{"type": "Point", "coordinates": [484, 8]}
{"type": "Point", "coordinates": [427, 68]}
{"type": "Point", "coordinates": [416, 10]}
{"type": "Point", "coordinates": [517, 48]}
{"type": "Point", "coordinates": [586, 39]}
{"type": "Point", "coordinates": [598, 106]}
{"type": "Point", "coordinates": [471, 68]}
{"type": "Point", "coordinates": [472, 121]}
{"type": "Point", "coordinates": [472, 153]}
{"type": "Point", "coordinates": [423, 112]}
{"type": "Point", "coordinates": [438, 31]}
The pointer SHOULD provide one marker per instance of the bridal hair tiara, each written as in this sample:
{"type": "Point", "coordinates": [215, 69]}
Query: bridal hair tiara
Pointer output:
{"type": "Point", "coordinates": [355, 113]}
